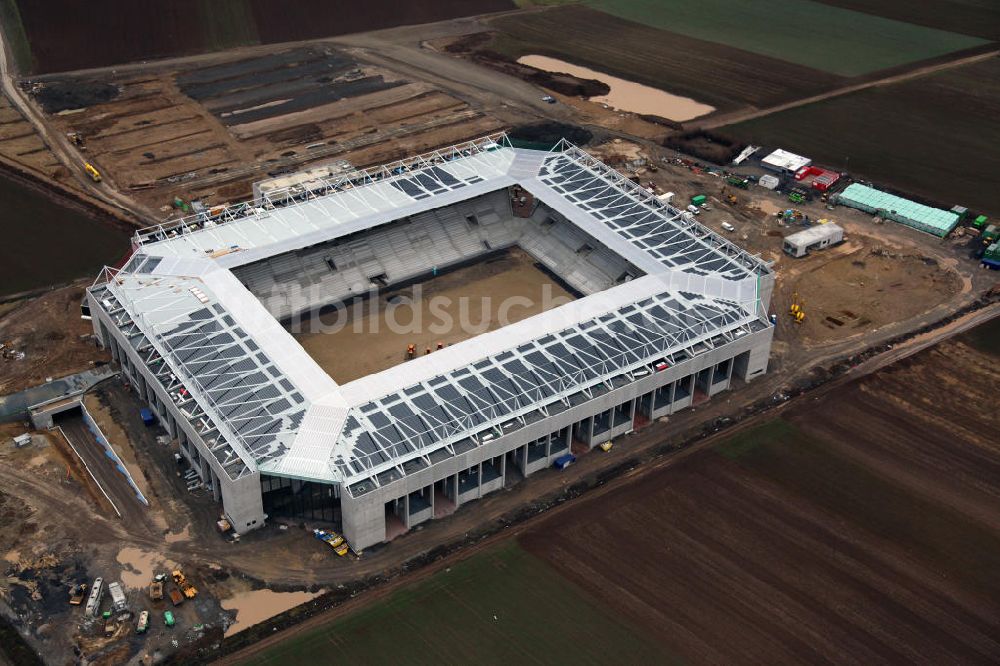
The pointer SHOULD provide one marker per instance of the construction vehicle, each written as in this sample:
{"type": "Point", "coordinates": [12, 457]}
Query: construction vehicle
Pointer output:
{"type": "Point", "coordinates": [606, 446]}
{"type": "Point", "coordinates": [156, 590]}
{"type": "Point", "coordinates": [77, 593]}
{"type": "Point", "coordinates": [143, 624]}
{"type": "Point", "coordinates": [738, 181]}
{"type": "Point", "coordinates": [110, 626]}
{"type": "Point", "coordinates": [168, 618]}
{"type": "Point", "coordinates": [334, 540]}
{"type": "Point", "coordinates": [796, 196]}
{"type": "Point", "coordinates": [176, 598]}
{"type": "Point", "coordinates": [189, 590]}
{"type": "Point", "coordinates": [990, 235]}
{"type": "Point", "coordinates": [92, 171]}
{"type": "Point", "coordinates": [991, 257]}
{"type": "Point", "coordinates": [732, 199]}
{"type": "Point", "coordinates": [118, 601]}
{"type": "Point", "coordinates": [698, 199]}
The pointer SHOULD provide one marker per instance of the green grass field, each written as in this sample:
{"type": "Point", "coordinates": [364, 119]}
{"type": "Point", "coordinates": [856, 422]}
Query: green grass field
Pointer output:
{"type": "Point", "coordinates": [226, 24]}
{"type": "Point", "coordinates": [500, 606]}
{"type": "Point", "coordinates": [16, 38]}
{"type": "Point", "coordinates": [832, 39]}
{"type": "Point", "coordinates": [934, 136]}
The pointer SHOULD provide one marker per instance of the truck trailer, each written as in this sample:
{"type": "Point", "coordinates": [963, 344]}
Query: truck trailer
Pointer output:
{"type": "Point", "coordinates": [96, 592]}
{"type": "Point", "coordinates": [118, 601]}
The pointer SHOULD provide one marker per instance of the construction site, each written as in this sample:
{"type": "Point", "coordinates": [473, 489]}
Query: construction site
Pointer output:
{"type": "Point", "coordinates": [373, 310]}
{"type": "Point", "coordinates": [170, 137]}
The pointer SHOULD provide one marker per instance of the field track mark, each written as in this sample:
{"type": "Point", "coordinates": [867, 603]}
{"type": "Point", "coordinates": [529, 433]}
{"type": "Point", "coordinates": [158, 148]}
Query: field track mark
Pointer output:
{"type": "Point", "coordinates": [150, 144]}
{"type": "Point", "coordinates": [143, 128]}
{"type": "Point", "coordinates": [741, 116]}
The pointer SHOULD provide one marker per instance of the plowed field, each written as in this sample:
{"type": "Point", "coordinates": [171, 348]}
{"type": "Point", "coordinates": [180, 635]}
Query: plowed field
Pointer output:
{"type": "Point", "coordinates": [863, 527]}
{"type": "Point", "coordinates": [67, 34]}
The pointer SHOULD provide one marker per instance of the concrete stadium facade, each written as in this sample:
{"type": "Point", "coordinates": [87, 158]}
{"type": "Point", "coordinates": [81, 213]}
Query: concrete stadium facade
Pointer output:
{"type": "Point", "coordinates": [669, 314]}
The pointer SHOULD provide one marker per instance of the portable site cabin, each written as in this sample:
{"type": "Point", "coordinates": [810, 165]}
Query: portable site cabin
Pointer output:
{"type": "Point", "coordinates": [814, 238]}
{"type": "Point", "coordinates": [768, 181]}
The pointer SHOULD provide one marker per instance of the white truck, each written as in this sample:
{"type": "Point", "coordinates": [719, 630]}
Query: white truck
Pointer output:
{"type": "Point", "coordinates": [118, 601]}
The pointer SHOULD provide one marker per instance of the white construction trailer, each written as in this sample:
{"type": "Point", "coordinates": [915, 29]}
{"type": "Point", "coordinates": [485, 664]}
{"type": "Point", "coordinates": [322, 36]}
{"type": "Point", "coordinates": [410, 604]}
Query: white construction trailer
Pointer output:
{"type": "Point", "coordinates": [814, 238]}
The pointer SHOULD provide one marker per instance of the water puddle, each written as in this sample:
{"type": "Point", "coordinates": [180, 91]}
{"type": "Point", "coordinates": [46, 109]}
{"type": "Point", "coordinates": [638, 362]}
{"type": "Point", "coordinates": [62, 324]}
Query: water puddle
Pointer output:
{"type": "Point", "coordinates": [256, 606]}
{"type": "Point", "coordinates": [139, 566]}
{"type": "Point", "coordinates": [625, 95]}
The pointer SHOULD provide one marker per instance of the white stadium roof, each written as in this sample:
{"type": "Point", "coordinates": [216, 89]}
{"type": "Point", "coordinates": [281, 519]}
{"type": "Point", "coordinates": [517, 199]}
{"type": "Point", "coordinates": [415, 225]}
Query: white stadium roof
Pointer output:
{"type": "Point", "coordinates": [262, 403]}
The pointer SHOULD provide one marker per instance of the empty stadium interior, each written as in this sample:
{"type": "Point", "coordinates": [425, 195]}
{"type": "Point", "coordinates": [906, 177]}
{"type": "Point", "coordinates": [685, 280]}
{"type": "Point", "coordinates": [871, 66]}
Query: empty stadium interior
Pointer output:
{"type": "Point", "coordinates": [434, 279]}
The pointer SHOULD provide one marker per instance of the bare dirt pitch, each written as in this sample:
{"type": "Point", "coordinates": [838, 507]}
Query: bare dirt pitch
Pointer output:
{"type": "Point", "coordinates": [862, 527]}
{"type": "Point", "coordinates": [373, 334]}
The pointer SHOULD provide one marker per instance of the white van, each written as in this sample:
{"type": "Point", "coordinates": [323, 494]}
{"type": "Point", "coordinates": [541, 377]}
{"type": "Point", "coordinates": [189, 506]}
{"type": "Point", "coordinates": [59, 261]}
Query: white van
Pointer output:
{"type": "Point", "coordinates": [728, 227]}
{"type": "Point", "coordinates": [694, 209]}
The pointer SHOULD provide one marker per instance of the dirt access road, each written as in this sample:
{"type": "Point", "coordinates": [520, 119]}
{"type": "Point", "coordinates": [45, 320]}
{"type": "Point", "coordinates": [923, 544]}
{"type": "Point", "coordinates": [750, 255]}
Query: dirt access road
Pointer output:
{"type": "Point", "coordinates": [104, 194]}
{"type": "Point", "coordinates": [112, 482]}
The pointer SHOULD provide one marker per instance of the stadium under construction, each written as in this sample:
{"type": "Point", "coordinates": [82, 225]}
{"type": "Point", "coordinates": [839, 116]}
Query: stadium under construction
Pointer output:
{"type": "Point", "coordinates": [669, 313]}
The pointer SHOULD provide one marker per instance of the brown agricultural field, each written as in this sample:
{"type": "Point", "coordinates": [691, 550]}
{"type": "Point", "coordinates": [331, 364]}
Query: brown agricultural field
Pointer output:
{"type": "Point", "coordinates": [65, 35]}
{"type": "Point", "coordinates": [725, 77]}
{"type": "Point", "coordinates": [861, 527]}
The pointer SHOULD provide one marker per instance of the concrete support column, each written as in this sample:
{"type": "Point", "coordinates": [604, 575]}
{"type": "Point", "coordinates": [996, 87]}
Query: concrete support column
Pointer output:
{"type": "Point", "coordinates": [204, 470]}
{"type": "Point", "coordinates": [503, 470]}
{"type": "Point", "coordinates": [406, 510]}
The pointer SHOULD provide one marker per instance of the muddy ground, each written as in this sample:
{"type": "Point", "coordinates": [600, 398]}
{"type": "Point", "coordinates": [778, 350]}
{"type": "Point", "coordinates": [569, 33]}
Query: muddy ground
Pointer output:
{"type": "Point", "coordinates": [45, 337]}
{"type": "Point", "coordinates": [373, 334]}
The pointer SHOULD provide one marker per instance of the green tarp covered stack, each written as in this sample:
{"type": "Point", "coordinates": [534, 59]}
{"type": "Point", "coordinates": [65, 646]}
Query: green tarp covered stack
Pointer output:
{"type": "Point", "coordinates": [890, 207]}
